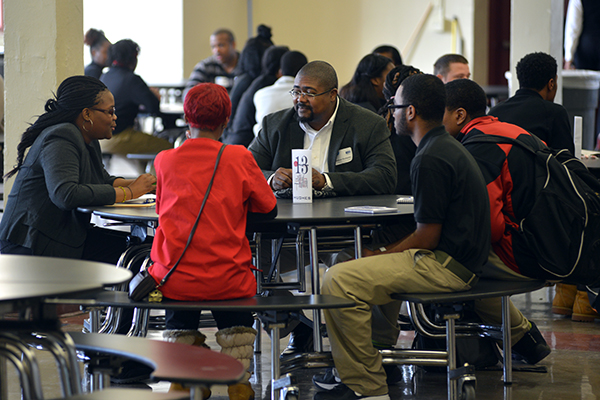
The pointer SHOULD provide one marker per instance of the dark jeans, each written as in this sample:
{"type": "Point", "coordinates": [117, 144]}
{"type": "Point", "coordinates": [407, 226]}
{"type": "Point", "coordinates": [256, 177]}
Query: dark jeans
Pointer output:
{"type": "Point", "coordinates": [178, 319]}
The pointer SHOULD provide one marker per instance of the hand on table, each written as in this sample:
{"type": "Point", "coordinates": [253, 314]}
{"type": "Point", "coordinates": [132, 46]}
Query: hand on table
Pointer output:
{"type": "Point", "coordinates": [282, 179]}
{"type": "Point", "coordinates": [318, 180]}
{"type": "Point", "coordinates": [143, 184]}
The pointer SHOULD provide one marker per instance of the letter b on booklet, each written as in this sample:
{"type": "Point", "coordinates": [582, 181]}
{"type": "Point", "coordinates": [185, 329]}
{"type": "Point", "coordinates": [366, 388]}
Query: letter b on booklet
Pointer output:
{"type": "Point", "coordinates": [301, 176]}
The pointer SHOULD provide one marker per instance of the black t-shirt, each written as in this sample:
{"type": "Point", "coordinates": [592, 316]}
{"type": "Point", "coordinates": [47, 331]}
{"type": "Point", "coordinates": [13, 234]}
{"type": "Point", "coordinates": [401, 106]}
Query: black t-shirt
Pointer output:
{"type": "Point", "coordinates": [449, 189]}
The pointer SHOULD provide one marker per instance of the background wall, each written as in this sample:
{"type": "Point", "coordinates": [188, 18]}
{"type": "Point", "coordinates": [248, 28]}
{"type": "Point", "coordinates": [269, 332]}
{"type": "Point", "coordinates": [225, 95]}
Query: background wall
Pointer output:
{"type": "Point", "coordinates": [174, 35]}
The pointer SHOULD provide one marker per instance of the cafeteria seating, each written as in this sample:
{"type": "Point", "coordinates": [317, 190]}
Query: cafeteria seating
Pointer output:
{"type": "Point", "coordinates": [572, 365]}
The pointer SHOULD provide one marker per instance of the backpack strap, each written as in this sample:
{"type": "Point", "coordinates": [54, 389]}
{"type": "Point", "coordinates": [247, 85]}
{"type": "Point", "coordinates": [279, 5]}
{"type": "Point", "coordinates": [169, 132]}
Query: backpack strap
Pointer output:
{"type": "Point", "coordinates": [485, 138]}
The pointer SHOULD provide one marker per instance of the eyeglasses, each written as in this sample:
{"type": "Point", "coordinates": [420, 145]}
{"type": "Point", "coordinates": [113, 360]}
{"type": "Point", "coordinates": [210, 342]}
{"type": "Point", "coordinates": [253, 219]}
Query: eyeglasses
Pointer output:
{"type": "Point", "coordinates": [111, 111]}
{"type": "Point", "coordinates": [296, 94]}
{"type": "Point", "coordinates": [394, 106]}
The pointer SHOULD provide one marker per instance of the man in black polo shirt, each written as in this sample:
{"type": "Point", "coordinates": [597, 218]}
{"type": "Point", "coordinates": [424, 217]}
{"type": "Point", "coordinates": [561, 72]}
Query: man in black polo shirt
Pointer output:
{"type": "Point", "coordinates": [445, 253]}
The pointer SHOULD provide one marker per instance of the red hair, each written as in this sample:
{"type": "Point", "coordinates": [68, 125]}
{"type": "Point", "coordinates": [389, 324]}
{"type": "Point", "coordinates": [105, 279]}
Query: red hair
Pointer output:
{"type": "Point", "coordinates": [207, 106]}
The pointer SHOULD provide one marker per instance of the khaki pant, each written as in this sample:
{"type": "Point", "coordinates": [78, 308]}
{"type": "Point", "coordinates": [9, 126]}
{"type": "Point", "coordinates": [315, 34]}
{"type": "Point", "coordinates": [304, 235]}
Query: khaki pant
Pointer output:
{"type": "Point", "coordinates": [490, 310]}
{"type": "Point", "coordinates": [371, 281]}
{"type": "Point", "coordinates": [131, 141]}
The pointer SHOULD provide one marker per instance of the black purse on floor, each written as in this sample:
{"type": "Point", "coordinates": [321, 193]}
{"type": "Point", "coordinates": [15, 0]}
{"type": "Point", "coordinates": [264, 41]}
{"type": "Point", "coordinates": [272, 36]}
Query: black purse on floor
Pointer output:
{"type": "Point", "coordinates": [143, 285]}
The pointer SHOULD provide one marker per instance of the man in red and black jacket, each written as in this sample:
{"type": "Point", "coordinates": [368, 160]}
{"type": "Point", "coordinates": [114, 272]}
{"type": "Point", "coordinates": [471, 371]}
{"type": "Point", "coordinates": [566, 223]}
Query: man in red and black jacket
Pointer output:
{"type": "Point", "coordinates": [509, 173]}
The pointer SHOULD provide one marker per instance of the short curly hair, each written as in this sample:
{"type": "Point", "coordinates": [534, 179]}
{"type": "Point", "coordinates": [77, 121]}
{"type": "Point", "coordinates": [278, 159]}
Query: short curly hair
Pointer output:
{"type": "Point", "coordinates": [427, 94]}
{"type": "Point", "coordinates": [207, 106]}
{"type": "Point", "coordinates": [464, 93]}
{"type": "Point", "coordinates": [535, 70]}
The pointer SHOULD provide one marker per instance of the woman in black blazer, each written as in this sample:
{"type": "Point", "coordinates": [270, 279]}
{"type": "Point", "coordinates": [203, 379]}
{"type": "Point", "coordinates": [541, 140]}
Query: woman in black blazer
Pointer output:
{"type": "Point", "coordinates": [63, 170]}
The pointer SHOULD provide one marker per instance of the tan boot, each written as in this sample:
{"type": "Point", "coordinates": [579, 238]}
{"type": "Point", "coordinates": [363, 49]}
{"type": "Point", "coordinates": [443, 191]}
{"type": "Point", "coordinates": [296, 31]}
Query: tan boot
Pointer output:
{"type": "Point", "coordinates": [582, 310]}
{"type": "Point", "coordinates": [192, 338]}
{"type": "Point", "coordinates": [564, 299]}
{"type": "Point", "coordinates": [238, 342]}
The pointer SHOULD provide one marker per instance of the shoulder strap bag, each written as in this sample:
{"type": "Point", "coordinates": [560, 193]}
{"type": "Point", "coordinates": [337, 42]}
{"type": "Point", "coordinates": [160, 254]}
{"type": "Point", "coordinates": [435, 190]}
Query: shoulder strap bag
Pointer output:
{"type": "Point", "coordinates": [143, 285]}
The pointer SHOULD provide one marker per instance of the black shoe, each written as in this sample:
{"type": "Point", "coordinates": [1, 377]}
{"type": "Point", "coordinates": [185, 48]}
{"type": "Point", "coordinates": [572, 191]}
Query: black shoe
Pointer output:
{"type": "Point", "coordinates": [393, 374]}
{"type": "Point", "coordinates": [131, 372]}
{"type": "Point", "coordinates": [532, 347]}
{"type": "Point", "coordinates": [327, 381]}
{"type": "Point", "coordinates": [342, 392]}
{"type": "Point", "coordinates": [301, 341]}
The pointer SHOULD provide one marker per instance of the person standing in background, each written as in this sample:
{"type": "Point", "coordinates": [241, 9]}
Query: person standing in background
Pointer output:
{"type": "Point", "coordinates": [582, 31]}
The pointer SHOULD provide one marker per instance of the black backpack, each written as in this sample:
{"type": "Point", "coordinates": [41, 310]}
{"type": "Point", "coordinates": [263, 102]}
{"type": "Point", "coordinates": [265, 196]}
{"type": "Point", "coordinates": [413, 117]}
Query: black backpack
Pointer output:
{"type": "Point", "coordinates": [562, 230]}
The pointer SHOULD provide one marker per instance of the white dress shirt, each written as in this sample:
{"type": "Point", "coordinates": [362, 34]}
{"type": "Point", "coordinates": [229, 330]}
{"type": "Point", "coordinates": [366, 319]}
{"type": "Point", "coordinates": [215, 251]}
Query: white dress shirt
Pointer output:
{"type": "Point", "coordinates": [318, 142]}
{"type": "Point", "coordinates": [272, 98]}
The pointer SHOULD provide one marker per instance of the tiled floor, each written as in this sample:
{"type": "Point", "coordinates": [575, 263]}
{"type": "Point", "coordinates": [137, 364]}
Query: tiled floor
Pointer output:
{"type": "Point", "coordinates": [573, 368]}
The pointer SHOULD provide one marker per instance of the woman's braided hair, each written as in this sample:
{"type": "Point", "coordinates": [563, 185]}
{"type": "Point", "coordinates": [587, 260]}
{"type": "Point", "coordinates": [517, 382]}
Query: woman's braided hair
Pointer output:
{"type": "Point", "coordinates": [393, 80]}
{"type": "Point", "coordinates": [73, 95]}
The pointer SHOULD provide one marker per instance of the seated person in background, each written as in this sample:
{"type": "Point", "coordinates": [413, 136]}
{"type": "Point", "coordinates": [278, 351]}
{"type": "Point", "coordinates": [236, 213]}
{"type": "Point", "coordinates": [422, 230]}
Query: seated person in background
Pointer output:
{"type": "Point", "coordinates": [99, 46]}
{"type": "Point", "coordinates": [533, 108]}
{"type": "Point", "coordinates": [249, 65]}
{"type": "Point", "coordinates": [131, 94]}
{"type": "Point", "coordinates": [62, 171]}
{"type": "Point", "coordinates": [277, 96]}
{"type": "Point", "coordinates": [366, 87]}
{"type": "Point", "coordinates": [218, 263]}
{"type": "Point", "coordinates": [390, 52]}
{"type": "Point", "coordinates": [351, 151]}
{"type": "Point", "coordinates": [218, 68]}
{"type": "Point", "coordinates": [444, 254]}
{"type": "Point", "coordinates": [450, 67]}
{"type": "Point", "coordinates": [241, 129]}
{"type": "Point", "coordinates": [403, 146]}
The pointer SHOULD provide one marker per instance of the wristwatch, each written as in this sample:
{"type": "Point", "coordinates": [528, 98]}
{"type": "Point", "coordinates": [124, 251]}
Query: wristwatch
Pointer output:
{"type": "Point", "coordinates": [326, 186]}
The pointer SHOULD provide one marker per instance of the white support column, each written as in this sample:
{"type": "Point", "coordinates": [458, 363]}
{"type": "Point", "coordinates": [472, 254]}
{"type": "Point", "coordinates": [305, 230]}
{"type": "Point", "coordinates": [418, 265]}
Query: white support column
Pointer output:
{"type": "Point", "coordinates": [536, 25]}
{"type": "Point", "coordinates": [43, 45]}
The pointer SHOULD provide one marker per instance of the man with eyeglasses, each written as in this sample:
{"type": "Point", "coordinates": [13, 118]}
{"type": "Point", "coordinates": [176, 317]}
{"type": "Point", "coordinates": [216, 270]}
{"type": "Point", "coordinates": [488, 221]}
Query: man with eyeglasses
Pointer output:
{"type": "Point", "coordinates": [445, 253]}
{"type": "Point", "coordinates": [351, 152]}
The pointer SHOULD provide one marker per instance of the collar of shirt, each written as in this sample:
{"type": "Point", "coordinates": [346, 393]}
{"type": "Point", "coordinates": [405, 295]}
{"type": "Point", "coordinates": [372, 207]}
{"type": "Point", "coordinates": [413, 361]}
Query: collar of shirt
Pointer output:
{"type": "Point", "coordinates": [318, 141]}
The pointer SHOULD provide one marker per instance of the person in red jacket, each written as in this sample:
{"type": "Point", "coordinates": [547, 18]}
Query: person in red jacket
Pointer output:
{"type": "Point", "coordinates": [217, 265]}
{"type": "Point", "coordinates": [509, 176]}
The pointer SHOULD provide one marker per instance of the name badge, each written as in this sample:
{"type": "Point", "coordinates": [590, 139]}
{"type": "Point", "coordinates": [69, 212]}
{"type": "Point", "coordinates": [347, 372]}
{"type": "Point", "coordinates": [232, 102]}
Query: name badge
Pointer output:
{"type": "Point", "coordinates": [344, 156]}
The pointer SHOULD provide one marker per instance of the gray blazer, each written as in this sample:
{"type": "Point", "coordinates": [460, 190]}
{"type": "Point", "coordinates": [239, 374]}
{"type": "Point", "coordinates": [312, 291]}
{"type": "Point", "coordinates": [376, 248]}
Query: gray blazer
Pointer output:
{"type": "Point", "coordinates": [371, 168]}
{"type": "Point", "coordinates": [59, 174]}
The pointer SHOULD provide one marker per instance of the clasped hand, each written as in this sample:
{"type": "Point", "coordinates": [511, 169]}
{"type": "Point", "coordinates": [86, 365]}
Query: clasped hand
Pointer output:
{"type": "Point", "coordinates": [282, 179]}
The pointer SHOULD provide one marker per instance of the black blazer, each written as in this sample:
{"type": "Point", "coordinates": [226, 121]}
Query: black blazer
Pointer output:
{"type": "Point", "coordinates": [368, 165]}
